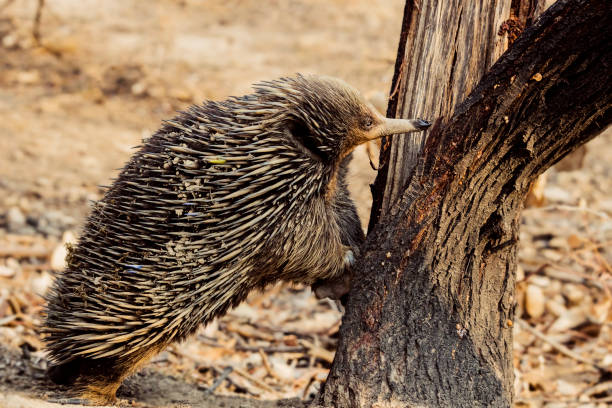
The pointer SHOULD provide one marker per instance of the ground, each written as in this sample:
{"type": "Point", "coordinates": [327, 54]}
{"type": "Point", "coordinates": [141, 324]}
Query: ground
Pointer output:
{"type": "Point", "coordinates": [105, 74]}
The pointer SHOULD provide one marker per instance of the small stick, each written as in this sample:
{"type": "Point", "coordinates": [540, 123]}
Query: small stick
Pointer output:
{"type": "Point", "coordinates": [560, 347]}
{"type": "Point", "coordinates": [37, 18]}
{"type": "Point", "coordinates": [272, 349]}
{"type": "Point", "coordinates": [38, 267]}
{"type": "Point", "coordinates": [591, 246]}
{"type": "Point", "coordinates": [25, 251]}
{"type": "Point", "coordinates": [226, 372]}
{"type": "Point", "coordinates": [248, 331]}
{"type": "Point", "coordinates": [254, 380]}
{"type": "Point", "coordinates": [563, 401]}
{"type": "Point", "coordinates": [269, 367]}
{"type": "Point", "coordinates": [295, 331]}
{"type": "Point", "coordinates": [238, 371]}
{"type": "Point", "coordinates": [310, 381]}
{"type": "Point", "coordinates": [564, 274]}
{"type": "Point", "coordinates": [29, 239]}
{"type": "Point", "coordinates": [7, 319]}
{"type": "Point", "coordinates": [318, 352]}
{"type": "Point", "coordinates": [600, 214]}
{"type": "Point", "coordinates": [598, 389]}
{"type": "Point", "coordinates": [242, 347]}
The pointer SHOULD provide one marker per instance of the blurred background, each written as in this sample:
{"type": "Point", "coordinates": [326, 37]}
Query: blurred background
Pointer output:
{"type": "Point", "coordinates": [82, 82]}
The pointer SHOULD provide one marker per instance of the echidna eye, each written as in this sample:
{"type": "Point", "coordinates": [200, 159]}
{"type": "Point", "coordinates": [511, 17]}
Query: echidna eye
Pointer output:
{"type": "Point", "coordinates": [369, 122]}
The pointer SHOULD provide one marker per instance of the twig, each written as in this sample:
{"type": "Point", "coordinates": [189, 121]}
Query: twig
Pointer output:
{"type": "Point", "coordinates": [315, 374]}
{"type": "Point", "coordinates": [269, 367]}
{"type": "Point", "coordinates": [254, 380]}
{"type": "Point", "coordinates": [209, 341]}
{"type": "Point", "coordinates": [310, 381]}
{"type": "Point", "coordinates": [224, 374]}
{"type": "Point", "coordinates": [3, 297]}
{"type": "Point", "coordinates": [37, 267]}
{"type": "Point", "coordinates": [242, 347]}
{"type": "Point", "coordinates": [272, 349]}
{"type": "Point", "coordinates": [560, 347]}
{"type": "Point", "coordinates": [309, 333]}
{"type": "Point", "coordinates": [248, 331]}
{"type": "Point", "coordinates": [598, 389]}
{"type": "Point", "coordinates": [568, 208]}
{"type": "Point", "coordinates": [37, 18]}
{"type": "Point", "coordinates": [28, 239]}
{"type": "Point", "coordinates": [561, 273]}
{"type": "Point", "coordinates": [244, 374]}
{"type": "Point", "coordinates": [318, 352]}
{"type": "Point", "coordinates": [25, 251]}
{"type": "Point", "coordinates": [7, 319]}
{"type": "Point", "coordinates": [557, 400]}
{"type": "Point", "coordinates": [592, 246]}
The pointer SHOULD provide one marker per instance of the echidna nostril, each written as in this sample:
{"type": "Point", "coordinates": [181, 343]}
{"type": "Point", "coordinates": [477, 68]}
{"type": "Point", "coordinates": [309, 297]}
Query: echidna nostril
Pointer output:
{"type": "Point", "coordinates": [422, 124]}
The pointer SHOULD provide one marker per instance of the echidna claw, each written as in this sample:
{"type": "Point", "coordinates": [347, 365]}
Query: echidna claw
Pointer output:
{"type": "Point", "coordinates": [349, 258]}
{"type": "Point", "coordinates": [370, 150]}
{"type": "Point", "coordinates": [421, 124]}
{"type": "Point", "coordinates": [373, 166]}
{"type": "Point", "coordinates": [70, 401]}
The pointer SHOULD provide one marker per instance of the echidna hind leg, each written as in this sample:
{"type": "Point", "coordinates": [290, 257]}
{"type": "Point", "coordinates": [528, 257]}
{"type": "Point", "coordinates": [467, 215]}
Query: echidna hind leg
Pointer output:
{"type": "Point", "coordinates": [103, 390]}
{"type": "Point", "coordinates": [97, 380]}
{"type": "Point", "coordinates": [94, 382]}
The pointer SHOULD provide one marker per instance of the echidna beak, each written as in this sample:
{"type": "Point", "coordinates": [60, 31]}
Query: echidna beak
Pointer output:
{"type": "Point", "coordinates": [397, 126]}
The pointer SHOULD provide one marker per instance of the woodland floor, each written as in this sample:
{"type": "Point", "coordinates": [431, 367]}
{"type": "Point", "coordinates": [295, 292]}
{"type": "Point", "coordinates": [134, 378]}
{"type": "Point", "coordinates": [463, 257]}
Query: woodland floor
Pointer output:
{"type": "Point", "coordinates": [108, 73]}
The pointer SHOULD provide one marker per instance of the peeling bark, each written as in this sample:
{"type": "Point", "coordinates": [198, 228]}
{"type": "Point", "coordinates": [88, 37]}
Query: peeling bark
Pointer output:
{"type": "Point", "coordinates": [429, 322]}
{"type": "Point", "coordinates": [445, 48]}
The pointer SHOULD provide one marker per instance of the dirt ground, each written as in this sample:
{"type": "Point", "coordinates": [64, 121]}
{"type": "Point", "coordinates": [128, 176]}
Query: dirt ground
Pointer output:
{"type": "Point", "coordinates": [106, 73]}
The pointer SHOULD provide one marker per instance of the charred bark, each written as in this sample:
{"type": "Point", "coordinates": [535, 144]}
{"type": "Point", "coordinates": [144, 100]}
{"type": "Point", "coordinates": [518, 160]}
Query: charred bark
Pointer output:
{"type": "Point", "coordinates": [429, 321]}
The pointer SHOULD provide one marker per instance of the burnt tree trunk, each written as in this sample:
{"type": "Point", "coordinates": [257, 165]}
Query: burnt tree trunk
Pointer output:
{"type": "Point", "coordinates": [429, 321]}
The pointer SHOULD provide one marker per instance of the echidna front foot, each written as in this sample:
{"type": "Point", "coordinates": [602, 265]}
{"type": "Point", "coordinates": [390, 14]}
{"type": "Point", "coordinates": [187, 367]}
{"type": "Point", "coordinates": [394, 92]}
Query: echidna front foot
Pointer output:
{"type": "Point", "coordinates": [333, 288]}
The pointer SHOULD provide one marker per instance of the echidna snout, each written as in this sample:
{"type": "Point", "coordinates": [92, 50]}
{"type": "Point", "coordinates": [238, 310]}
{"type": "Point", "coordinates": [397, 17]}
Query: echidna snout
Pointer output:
{"type": "Point", "coordinates": [225, 198]}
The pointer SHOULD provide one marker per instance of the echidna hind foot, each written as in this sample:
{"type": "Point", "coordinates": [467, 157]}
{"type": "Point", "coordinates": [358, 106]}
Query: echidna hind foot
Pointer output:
{"type": "Point", "coordinates": [100, 393]}
{"type": "Point", "coordinates": [92, 382]}
{"type": "Point", "coordinates": [95, 381]}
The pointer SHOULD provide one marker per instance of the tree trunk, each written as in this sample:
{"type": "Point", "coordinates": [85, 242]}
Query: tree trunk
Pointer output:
{"type": "Point", "coordinates": [429, 321]}
{"type": "Point", "coordinates": [445, 49]}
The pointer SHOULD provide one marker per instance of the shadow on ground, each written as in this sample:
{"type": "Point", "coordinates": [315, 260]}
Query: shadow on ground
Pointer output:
{"type": "Point", "coordinates": [23, 384]}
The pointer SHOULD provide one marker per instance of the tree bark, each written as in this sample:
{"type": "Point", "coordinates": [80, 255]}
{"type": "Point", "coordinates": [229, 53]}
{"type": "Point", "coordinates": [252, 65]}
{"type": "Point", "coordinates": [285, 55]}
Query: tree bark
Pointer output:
{"type": "Point", "coordinates": [429, 321]}
{"type": "Point", "coordinates": [445, 48]}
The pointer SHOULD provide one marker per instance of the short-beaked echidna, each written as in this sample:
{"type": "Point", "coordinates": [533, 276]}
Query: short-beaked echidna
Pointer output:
{"type": "Point", "coordinates": [228, 197]}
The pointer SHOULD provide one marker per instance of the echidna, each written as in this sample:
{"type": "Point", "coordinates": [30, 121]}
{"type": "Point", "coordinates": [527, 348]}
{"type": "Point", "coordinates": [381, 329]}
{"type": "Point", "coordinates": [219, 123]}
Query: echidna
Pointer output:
{"type": "Point", "coordinates": [225, 198]}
